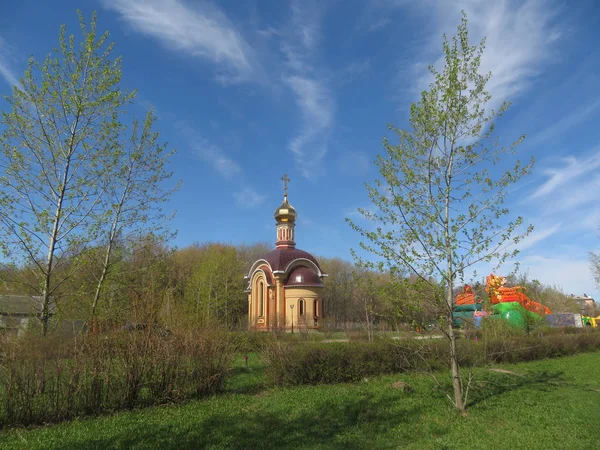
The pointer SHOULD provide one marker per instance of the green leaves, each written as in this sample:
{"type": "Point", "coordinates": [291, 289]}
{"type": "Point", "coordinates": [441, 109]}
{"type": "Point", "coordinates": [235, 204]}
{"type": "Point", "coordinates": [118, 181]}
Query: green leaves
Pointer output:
{"type": "Point", "coordinates": [440, 197]}
{"type": "Point", "coordinates": [63, 156]}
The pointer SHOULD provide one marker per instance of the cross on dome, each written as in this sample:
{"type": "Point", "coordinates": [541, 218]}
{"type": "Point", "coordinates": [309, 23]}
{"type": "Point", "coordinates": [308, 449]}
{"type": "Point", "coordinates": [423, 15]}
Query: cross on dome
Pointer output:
{"type": "Point", "coordinates": [285, 180]}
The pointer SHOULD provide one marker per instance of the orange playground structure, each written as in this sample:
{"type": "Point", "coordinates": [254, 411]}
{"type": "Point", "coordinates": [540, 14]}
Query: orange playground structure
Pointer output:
{"type": "Point", "coordinates": [498, 293]}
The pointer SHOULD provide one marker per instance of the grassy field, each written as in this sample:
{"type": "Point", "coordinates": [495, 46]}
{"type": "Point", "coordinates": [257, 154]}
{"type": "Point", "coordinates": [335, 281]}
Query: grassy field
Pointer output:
{"type": "Point", "coordinates": [549, 404]}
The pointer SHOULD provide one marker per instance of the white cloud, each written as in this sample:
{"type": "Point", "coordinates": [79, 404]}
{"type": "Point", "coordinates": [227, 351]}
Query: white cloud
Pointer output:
{"type": "Point", "coordinates": [312, 95]}
{"type": "Point", "coordinates": [379, 24]}
{"type": "Point", "coordinates": [203, 31]}
{"type": "Point", "coordinates": [6, 71]}
{"type": "Point", "coordinates": [316, 105]}
{"type": "Point", "coordinates": [574, 181]}
{"type": "Point", "coordinates": [590, 221]}
{"type": "Point", "coordinates": [351, 72]}
{"type": "Point", "coordinates": [249, 198]}
{"type": "Point", "coordinates": [537, 236]}
{"type": "Point", "coordinates": [570, 273]}
{"type": "Point", "coordinates": [212, 154]}
{"type": "Point", "coordinates": [353, 163]}
{"type": "Point", "coordinates": [209, 152]}
{"type": "Point", "coordinates": [518, 40]}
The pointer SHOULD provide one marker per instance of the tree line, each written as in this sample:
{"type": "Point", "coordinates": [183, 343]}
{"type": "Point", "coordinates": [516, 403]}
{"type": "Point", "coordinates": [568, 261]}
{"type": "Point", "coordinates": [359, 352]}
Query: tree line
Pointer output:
{"type": "Point", "coordinates": [204, 285]}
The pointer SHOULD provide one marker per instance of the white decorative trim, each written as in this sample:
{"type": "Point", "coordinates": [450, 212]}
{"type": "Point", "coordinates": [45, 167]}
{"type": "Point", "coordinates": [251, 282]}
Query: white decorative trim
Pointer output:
{"type": "Point", "coordinates": [302, 262]}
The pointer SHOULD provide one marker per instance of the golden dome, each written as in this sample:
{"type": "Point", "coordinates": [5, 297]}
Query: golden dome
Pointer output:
{"type": "Point", "coordinates": [285, 212]}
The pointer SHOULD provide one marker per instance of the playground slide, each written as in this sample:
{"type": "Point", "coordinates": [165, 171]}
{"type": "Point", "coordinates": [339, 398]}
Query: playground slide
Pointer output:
{"type": "Point", "coordinates": [515, 295]}
{"type": "Point", "coordinates": [466, 297]}
{"type": "Point", "coordinates": [508, 303]}
{"type": "Point", "coordinates": [501, 294]}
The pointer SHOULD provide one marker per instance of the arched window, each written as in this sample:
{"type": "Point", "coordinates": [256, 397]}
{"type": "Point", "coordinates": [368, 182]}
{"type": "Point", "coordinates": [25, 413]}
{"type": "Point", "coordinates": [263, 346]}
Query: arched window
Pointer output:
{"type": "Point", "coordinates": [316, 308]}
{"type": "Point", "coordinates": [301, 308]}
{"type": "Point", "coordinates": [261, 299]}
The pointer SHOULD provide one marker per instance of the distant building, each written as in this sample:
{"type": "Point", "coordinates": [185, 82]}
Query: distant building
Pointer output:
{"type": "Point", "coordinates": [18, 312]}
{"type": "Point", "coordinates": [585, 302]}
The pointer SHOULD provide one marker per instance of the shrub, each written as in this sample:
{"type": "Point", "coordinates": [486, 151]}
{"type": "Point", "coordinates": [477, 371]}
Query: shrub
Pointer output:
{"type": "Point", "coordinates": [51, 379]}
{"type": "Point", "coordinates": [315, 363]}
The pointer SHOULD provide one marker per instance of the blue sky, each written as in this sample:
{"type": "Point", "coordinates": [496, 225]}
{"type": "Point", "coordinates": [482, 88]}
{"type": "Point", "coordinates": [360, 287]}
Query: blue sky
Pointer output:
{"type": "Point", "coordinates": [248, 90]}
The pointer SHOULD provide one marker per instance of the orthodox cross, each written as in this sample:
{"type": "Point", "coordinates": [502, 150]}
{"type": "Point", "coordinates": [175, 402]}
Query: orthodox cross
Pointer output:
{"type": "Point", "coordinates": [285, 180]}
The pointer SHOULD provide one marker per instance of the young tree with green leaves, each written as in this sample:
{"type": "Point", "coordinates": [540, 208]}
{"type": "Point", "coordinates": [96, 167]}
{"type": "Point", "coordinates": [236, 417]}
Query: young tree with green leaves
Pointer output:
{"type": "Point", "coordinates": [60, 137]}
{"type": "Point", "coordinates": [439, 204]}
{"type": "Point", "coordinates": [72, 183]}
{"type": "Point", "coordinates": [133, 196]}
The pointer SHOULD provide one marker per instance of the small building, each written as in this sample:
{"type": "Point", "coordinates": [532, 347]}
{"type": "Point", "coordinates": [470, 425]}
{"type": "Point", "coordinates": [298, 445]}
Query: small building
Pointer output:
{"type": "Point", "coordinates": [285, 286]}
{"type": "Point", "coordinates": [19, 312]}
{"type": "Point", "coordinates": [585, 302]}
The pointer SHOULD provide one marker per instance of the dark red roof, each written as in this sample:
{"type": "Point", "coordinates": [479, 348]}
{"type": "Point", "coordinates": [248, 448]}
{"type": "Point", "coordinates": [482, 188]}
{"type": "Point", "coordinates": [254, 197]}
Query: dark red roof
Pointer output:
{"type": "Point", "coordinates": [303, 276]}
{"type": "Point", "coordinates": [280, 258]}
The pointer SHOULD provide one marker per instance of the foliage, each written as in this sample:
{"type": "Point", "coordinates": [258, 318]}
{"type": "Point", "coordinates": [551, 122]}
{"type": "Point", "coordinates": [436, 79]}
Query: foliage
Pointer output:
{"type": "Point", "coordinates": [338, 302]}
{"type": "Point", "coordinates": [316, 363]}
{"type": "Point", "coordinates": [73, 188]}
{"type": "Point", "coordinates": [53, 379]}
{"type": "Point", "coordinates": [215, 289]}
{"type": "Point", "coordinates": [530, 407]}
{"type": "Point", "coordinates": [439, 205]}
{"type": "Point", "coordinates": [132, 199]}
{"type": "Point", "coordinates": [59, 140]}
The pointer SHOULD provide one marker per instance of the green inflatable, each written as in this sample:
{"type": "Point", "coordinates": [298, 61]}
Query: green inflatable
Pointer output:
{"type": "Point", "coordinates": [515, 314]}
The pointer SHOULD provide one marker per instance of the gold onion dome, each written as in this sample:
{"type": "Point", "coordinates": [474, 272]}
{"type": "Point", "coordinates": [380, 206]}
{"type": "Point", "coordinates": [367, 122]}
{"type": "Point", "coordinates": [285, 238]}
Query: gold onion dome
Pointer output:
{"type": "Point", "coordinates": [285, 212]}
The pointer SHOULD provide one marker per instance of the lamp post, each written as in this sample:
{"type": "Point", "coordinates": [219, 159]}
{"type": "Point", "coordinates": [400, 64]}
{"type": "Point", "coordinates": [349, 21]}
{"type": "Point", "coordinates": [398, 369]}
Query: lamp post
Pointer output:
{"type": "Point", "coordinates": [292, 308]}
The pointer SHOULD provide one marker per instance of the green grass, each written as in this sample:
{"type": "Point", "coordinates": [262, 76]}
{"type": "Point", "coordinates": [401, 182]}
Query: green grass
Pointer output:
{"type": "Point", "coordinates": [550, 404]}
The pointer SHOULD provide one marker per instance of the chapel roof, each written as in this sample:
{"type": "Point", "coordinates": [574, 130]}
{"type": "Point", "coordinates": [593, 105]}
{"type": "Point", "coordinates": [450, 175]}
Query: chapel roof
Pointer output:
{"type": "Point", "coordinates": [303, 276]}
{"type": "Point", "coordinates": [280, 258]}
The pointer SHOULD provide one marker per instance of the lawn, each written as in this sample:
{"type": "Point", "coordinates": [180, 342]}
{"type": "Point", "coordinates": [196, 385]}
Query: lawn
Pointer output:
{"type": "Point", "coordinates": [550, 404]}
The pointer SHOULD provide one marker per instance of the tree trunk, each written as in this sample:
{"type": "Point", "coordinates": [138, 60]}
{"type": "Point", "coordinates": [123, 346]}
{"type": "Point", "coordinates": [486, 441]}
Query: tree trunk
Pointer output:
{"type": "Point", "coordinates": [102, 278]}
{"type": "Point", "coordinates": [109, 246]}
{"type": "Point", "coordinates": [454, 366]}
{"type": "Point", "coordinates": [52, 247]}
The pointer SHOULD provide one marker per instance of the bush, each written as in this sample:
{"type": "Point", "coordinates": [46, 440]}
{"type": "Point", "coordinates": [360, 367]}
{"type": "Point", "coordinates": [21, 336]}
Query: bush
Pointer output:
{"type": "Point", "coordinates": [316, 363]}
{"type": "Point", "coordinates": [50, 379]}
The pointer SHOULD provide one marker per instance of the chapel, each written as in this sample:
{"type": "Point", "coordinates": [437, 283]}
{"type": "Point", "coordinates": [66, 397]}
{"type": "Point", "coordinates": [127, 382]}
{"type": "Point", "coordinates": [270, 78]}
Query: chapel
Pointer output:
{"type": "Point", "coordinates": [285, 286]}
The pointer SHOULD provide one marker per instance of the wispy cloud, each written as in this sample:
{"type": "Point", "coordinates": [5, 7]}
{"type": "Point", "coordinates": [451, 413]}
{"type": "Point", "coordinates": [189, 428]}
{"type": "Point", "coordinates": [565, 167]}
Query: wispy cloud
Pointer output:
{"type": "Point", "coordinates": [311, 92]}
{"type": "Point", "coordinates": [310, 145]}
{"type": "Point", "coordinates": [565, 124]}
{"type": "Point", "coordinates": [571, 172]}
{"type": "Point", "coordinates": [202, 31]}
{"type": "Point", "coordinates": [209, 152]}
{"type": "Point", "coordinates": [353, 163]}
{"type": "Point", "coordinates": [379, 24]}
{"type": "Point", "coordinates": [304, 35]}
{"type": "Point", "coordinates": [248, 198]}
{"type": "Point", "coordinates": [568, 271]}
{"type": "Point", "coordinates": [518, 40]}
{"type": "Point", "coordinates": [6, 70]}
{"type": "Point", "coordinates": [572, 274]}
{"type": "Point", "coordinates": [351, 72]}
{"type": "Point", "coordinates": [591, 220]}
{"type": "Point", "coordinates": [537, 236]}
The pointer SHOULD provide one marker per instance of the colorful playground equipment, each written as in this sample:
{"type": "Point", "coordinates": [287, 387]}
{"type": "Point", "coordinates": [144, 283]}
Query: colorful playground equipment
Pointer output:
{"type": "Point", "coordinates": [590, 321]}
{"type": "Point", "coordinates": [508, 303]}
